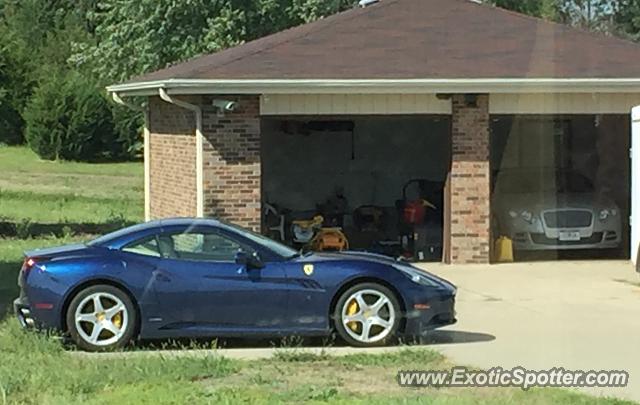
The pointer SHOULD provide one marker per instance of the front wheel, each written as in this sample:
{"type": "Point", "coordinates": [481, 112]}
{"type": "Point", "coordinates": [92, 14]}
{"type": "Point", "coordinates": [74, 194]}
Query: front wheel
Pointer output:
{"type": "Point", "coordinates": [101, 318]}
{"type": "Point", "coordinates": [367, 315]}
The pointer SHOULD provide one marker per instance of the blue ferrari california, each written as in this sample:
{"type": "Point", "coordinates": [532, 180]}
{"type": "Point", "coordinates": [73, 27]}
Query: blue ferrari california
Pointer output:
{"type": "Point", "coordinates": [192, 278]}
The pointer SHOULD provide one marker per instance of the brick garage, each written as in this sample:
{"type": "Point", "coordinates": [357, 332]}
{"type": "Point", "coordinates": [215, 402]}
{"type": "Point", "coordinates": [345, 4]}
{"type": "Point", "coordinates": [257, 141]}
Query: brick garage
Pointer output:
{"type": "Point", "coordinates": [232, 166]}
{"type": "Point", "coordinates": [470, 179]}
{"type": "Point", "coordinates": [231, 154]}
{"type": "Point", "coordinates": [392, 59]}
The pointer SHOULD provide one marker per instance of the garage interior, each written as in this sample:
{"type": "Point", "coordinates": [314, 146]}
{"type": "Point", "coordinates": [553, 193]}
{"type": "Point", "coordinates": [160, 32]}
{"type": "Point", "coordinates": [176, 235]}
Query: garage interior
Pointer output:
{"type": "Point", "coordinates": [577, 167]}
{"type": "Point", "coordinates": [379, 179]}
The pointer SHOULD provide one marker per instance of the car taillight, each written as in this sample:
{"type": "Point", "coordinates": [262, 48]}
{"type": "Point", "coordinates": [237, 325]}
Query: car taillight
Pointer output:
{"type": "Point", "coordinates": [28, 265]}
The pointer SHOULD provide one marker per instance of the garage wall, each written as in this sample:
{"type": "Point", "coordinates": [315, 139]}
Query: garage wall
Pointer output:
{"type": "Point", "coordinates": [353, 104]}
{"type": "Point", "coordinates": [582, 103]}
{"type": "Point", "coordinates": [300, 171]}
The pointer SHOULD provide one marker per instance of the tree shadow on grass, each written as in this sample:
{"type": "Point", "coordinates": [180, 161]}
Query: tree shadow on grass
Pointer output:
{"type": "Point", "coordinates": [9, 290]}
{"type": "Point", "coordinates": [36, 230]}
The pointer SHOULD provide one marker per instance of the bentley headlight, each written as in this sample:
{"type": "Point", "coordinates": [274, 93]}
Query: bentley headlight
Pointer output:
{"type": "Point", "coordinates": [415, 275]}
{"type": "Point", "coordinates": [527, 216]}
{"type": "Point", "coordinates": [606, 213]}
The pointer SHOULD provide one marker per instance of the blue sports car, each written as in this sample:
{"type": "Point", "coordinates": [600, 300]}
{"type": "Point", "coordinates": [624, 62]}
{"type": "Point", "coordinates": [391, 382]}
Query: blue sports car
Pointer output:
{"type": "Point", "coordinates": [193, 278]}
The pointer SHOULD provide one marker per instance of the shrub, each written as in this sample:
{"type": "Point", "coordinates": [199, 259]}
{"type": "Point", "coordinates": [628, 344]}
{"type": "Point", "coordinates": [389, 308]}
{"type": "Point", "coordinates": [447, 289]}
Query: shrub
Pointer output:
{"type": "Point", "coordinates": [13, 92]}
{"type": "Point", "coordinates": [11, 125]}
{"type": "Point", "coordinates": [128, 125]}
{"type": "Point", "coordinates": [68, 118]}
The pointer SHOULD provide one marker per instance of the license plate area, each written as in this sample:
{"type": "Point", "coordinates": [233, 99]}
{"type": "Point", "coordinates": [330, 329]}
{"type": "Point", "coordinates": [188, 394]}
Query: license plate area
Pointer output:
{"type": "Point", "coordinates": [569, 236]}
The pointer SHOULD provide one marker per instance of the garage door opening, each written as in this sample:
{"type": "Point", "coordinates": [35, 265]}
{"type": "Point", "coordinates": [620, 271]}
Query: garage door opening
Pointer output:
{"type": "Point", "coordinates": [561, 185]}
{"type": "Point", "coordinates": [379, 180]}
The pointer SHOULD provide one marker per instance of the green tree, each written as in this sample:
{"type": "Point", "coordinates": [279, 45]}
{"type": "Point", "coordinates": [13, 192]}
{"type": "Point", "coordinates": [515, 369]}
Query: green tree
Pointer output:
{"type": "Point", "coordinates": [67, 118]}
{"type": "Point", "coordinates": [626, 18]}
{"type": "Point", "coordinates": [547, 9]}
{"type": "Point", "coordinates": [35, 38]}
{"type": "Point", "coordinates": [593, 15]}
{"type": "Point", "coordinates": [136, 36]}
{"type": "Point", "coordinates": [15, 87]}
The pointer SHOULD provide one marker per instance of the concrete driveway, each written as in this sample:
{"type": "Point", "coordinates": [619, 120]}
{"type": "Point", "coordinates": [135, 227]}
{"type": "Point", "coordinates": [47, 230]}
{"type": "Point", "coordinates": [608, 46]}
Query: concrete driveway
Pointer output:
{"type": "Point", "coordinates": [576, 315]}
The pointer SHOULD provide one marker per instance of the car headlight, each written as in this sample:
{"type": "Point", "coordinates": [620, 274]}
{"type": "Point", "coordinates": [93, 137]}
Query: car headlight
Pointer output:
{"type": "Point", "coordinates": [525, 215]}
{"type": "Point", "coordinates": [416, 276]}
{"type": "Point", "coordinates": [606, 213]}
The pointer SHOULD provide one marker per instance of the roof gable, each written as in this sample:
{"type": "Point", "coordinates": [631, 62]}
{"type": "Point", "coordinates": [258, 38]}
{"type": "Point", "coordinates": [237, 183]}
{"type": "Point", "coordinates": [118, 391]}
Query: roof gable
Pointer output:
{"type": "Point", "coordinates": [419, 39]}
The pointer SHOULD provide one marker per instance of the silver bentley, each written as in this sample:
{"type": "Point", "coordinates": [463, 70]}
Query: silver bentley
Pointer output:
{"type": "Point", "coordinates": [554, 210]}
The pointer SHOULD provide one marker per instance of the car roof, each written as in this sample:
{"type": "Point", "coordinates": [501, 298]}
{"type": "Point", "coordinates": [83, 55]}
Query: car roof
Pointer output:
{"type": "Point", "coordinates": [185, 221]}
{"type": "Point", "coordinates": [140, 229]}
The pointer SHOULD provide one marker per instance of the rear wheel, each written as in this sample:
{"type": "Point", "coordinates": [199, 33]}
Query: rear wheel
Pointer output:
{"type": "Point", "coordinates": [100, 318]}
{"type": "Point", "coordinates": [367, 314]}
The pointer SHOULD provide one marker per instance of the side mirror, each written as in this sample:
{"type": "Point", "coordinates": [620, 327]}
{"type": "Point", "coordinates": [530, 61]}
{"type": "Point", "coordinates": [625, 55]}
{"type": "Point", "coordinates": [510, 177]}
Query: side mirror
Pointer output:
{"type": "Point", "coordinates": [251, 261]}
{"type": "Point", "coordinates": [242, 258]}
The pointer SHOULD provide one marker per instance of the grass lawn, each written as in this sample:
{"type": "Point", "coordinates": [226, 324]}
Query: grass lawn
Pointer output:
{"type": "Point", "coordinates": [68, 192]}
{"type": "Point", "coordinates": [37, 370]}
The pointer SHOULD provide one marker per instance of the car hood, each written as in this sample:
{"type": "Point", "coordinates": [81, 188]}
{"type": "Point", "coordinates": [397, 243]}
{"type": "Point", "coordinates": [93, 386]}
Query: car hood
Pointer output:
{"type": "Point", "coordinates": [541, 201]}
{"type": "Point", "coordinates": [353, 256]}
{"type": "Point", "coordinates": [374, 258]}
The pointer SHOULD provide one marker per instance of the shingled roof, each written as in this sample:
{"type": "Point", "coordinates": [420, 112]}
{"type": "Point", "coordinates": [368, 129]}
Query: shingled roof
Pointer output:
{"type": "Point", "coordinates": [417, 39]}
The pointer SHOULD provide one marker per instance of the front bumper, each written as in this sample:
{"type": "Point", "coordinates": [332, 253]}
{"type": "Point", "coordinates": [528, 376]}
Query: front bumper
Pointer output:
{"type": "Point", "coordinates": [539, 235]}
{"type": "Point", "coordinates": [440, 312]}
{"type": "Point", "coordinates": [22, 310]}
{"type": "Point", "coordinates": [531, 241]}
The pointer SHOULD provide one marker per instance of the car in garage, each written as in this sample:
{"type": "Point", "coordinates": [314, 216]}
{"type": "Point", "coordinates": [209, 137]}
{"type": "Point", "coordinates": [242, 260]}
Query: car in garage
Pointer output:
{"type": "Point", "coordinates": [550, 209]}
{"type": "Point", "coordinates": [192, 278]}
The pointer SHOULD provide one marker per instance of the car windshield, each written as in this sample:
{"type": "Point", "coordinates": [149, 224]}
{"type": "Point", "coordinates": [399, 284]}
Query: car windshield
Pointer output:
{"type": "Point", "coordinates": [527, 182]}
{"type": "Point", "coordinates": [277, 247]}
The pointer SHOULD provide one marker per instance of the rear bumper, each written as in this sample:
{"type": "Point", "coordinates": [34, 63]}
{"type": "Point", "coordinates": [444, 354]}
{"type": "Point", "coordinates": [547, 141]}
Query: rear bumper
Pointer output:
{"type": "Point", "coordinates": [22, 309]}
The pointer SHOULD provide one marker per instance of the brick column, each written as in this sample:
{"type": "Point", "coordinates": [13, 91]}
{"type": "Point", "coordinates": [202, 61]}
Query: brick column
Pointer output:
{"type": "Point", "coordinates": [172, 154]}
{"type": "Point", "coordinates": [470, 180]}
{"type": "Point", "coordinates": [231, 161]}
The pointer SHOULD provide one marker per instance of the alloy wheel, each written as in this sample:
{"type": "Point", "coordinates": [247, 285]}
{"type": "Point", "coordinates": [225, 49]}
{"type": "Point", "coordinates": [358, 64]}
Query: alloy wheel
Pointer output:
{"type": "Point", "coordinates": [368, 316]}
{"type": "Point", "coordinates": [101, 319]}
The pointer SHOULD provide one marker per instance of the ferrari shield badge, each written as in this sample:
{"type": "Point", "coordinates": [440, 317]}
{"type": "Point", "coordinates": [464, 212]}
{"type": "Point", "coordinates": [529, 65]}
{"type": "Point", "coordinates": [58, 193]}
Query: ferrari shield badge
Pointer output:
{"type": "Point", "coordinates": [308, 269]}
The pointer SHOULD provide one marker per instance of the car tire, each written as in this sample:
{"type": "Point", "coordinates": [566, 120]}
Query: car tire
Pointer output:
{"type": "Point", "coordinates": [382, 317]}
{"type": "Point", "coordinates": [107, 308]}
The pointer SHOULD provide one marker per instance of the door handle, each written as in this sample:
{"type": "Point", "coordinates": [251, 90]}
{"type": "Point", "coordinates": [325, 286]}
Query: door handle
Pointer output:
{"type": "Point", "coordinates": [160, 276]}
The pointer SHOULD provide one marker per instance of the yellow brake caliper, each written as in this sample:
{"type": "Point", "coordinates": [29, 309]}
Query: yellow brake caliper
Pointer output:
{"type": "Point", "coordinates": [117, 320]}
{"type": "Point", "coordinates": [352, 309]}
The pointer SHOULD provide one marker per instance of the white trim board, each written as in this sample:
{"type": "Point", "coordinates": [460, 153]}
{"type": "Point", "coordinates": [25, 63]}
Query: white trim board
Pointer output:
{"type": "Point", "coordinates": [389, 104]}
{"type": "Point", "coordinates": [353, 104]}
{"type": "Point", "coordinates": [379, 86]}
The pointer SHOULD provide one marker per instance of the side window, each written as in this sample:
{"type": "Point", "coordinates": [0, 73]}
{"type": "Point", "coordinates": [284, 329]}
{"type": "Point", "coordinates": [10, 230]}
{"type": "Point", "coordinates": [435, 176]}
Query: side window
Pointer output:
{"type": "Point", "coordinates": [200, 246]}
{"type": "Point", "coordinates": [145, 247]}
